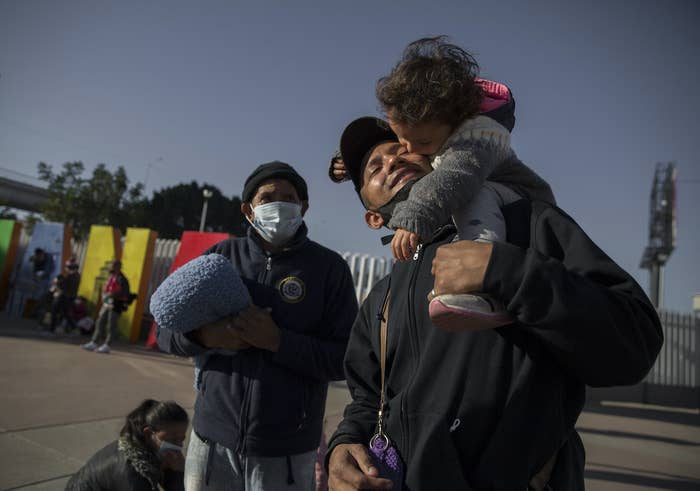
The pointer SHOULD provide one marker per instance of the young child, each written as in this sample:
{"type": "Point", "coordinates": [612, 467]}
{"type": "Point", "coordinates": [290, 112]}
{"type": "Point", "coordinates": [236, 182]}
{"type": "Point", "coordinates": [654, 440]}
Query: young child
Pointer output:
{"type": "Point", "coordinates": [432, 100]}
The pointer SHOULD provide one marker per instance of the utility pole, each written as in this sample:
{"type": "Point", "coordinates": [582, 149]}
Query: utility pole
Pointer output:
{"type": "Point", "coordinates": [148, 172]}
{"type": "Point", "coordinates": [206, 193]}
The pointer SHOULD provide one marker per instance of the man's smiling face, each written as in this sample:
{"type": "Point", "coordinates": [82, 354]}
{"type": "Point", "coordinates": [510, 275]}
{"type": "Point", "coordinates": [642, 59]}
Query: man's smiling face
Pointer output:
{"type": "Point", "coordinates": [387, 169]}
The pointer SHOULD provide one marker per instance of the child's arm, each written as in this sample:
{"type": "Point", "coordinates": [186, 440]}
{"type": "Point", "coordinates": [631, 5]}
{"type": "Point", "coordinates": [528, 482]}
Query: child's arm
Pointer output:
{"type": "Point", "coordinates": [404, 244]}
{"type": "Point", "coordinates": [464, 166]}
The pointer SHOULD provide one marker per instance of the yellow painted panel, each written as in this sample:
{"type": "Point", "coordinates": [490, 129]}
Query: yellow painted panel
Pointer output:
{"type": "Point", "coordinates": [104, 245]}
{"type": "Point", "coordinates": [137, 262]}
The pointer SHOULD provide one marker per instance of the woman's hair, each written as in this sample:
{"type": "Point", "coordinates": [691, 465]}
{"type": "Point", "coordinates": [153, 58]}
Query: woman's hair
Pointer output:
{"type": "Point", "coordinates": [433, 82]}
{"type": "Point", "coordinates": [154, 414]}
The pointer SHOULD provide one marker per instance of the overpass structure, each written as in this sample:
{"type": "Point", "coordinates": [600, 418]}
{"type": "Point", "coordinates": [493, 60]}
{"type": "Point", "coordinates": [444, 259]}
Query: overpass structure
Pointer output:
{"type": "Point", "coordinates": [21, 191]}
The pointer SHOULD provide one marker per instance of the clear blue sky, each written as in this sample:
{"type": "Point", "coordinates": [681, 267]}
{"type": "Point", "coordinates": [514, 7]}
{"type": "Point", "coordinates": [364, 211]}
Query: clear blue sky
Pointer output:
{"type": "Point", "coordinates": [604, 90]}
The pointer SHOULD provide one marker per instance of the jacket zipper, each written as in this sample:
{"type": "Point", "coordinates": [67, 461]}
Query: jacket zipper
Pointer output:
{"type": "Point", "coordinates": [417, 259]}
{"type": "Point", "coordinates": [244, 418]}
{"type": "Point", "coordinates": [245, 406]}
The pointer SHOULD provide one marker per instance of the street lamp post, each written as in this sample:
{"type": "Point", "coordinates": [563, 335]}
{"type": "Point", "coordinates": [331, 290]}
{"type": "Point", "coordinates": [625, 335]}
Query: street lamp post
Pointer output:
{"type": "Point", "coordinates": [148, 172]}
{"type": "Point", "coordinates": [206, 193]}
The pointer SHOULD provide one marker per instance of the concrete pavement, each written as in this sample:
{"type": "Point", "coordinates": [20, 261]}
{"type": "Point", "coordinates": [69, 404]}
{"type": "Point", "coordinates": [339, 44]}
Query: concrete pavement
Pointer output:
{"type": "Point", "coordinates": [59, 404]}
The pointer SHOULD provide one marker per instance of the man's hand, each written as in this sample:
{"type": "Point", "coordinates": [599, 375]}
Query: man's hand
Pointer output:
{"type": "Point", "coordinates": [404, 244]}
{"type": "Point", "coordinates": [219, 334]}
{"type": "Point", "coordinates": [350, 468]}
{"type": "Point", "coordinates": [460, 267]}
{"type": "Point", "coordinates": [256, 327]}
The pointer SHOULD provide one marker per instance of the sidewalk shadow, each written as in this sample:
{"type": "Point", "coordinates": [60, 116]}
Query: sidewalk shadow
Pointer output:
{"type": "Point", "coordinates": [684, 417]}
{"type": "Point", "coordinates": [30, 329]}
{"type": "Point", "coordinates": [639, 436]}
{"type": "Point", "coordinates": [659, 481]}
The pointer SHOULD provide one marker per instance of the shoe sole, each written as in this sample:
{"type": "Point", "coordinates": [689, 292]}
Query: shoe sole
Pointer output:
{"type": "Point", "coordinates": [455, 319]}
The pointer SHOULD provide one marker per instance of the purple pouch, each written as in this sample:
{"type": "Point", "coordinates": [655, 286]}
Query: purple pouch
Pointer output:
{"type": "Point", "coordinates": [387, 460]}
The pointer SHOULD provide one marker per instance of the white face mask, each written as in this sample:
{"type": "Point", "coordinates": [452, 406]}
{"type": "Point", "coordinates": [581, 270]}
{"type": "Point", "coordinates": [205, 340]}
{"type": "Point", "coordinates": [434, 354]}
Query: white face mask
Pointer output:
{"type": "Point", "coordinates": [277, 222]}
{"type": "Point", "coordinates": [168, 447]}
{"type": "Point", "coordinates": [165, 446]}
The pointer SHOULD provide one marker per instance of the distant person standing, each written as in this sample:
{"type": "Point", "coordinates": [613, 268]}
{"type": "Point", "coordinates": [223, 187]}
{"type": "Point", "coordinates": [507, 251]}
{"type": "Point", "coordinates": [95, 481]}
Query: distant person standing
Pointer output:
{"type": "Point", "coordinates": [115, 300]}
{"type": "Point", "coordinates": [64, 295]}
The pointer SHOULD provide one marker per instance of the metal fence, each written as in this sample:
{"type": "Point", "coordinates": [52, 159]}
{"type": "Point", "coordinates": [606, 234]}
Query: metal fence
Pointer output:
{"type": "Point", "coordinates": [678, 362]}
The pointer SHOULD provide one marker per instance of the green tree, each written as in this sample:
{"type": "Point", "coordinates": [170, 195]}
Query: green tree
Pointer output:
{"type": "Point", "coordinates": [105, 198]}
{"type": "Point", "coordinates": [172, 210]}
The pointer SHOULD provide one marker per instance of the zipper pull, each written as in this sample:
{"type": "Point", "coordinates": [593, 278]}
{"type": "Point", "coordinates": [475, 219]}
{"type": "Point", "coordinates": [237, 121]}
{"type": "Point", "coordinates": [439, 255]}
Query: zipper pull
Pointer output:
{"type": "Point", "coordinates": [417, 253]}
{"type": "Point", "coordinates": [269, 263]}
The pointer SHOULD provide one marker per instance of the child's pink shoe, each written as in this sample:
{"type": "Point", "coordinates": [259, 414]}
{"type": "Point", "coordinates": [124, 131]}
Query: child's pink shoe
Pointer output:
{"type": "Point", "coordinates": [466, 312]}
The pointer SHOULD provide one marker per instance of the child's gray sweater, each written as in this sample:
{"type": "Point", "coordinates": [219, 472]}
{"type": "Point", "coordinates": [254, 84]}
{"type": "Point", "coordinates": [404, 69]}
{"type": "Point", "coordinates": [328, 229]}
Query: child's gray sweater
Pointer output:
{"type": "Point", "coordinates": [477, 150]}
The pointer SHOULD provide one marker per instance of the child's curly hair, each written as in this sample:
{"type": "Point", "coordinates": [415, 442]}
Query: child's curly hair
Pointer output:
{"type": "Point", "coordinates": [433, 82]}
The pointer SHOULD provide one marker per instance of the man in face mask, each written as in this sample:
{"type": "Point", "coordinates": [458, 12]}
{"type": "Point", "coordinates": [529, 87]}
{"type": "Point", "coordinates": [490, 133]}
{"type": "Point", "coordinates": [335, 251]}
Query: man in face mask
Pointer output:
{"type": "Point", "coordinates": [259, 411]}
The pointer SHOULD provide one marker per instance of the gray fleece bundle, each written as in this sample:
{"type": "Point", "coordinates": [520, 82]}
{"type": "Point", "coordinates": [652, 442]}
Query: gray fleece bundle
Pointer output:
{"type": "Point", "coordinates": [199, 292]}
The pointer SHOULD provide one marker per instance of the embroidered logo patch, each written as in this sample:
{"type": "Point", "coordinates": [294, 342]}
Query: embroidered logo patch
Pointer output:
{"type": "Point", "coordinates": [292, 289]}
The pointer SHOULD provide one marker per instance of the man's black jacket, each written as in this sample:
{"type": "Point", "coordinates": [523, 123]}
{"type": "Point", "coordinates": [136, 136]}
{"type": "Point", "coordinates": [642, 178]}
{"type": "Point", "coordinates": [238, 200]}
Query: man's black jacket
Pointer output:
{"type": "Point", "coordinates": [487, 409]}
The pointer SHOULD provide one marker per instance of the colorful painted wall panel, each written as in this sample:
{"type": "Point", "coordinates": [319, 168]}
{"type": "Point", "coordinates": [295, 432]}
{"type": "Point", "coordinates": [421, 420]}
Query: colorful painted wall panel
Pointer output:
{"type": "Point", "coordinates": [32, 284]}
{"type": "Point", "coordinates": [192, 245]}
{"type": "Point", "coordinates": [9, 243]}
{"type": "Point", "coordinates": [104, 244]}
{"type": "Point", "coordinates": [137, 262]}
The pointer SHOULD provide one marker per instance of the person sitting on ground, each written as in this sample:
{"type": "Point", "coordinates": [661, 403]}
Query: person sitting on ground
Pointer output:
{"type": "Point", "coordinates": [79, 315]}
{"type": "Point", "coordinates": [147, 456]}
{"type": "Point", "coordinates": [42, 266]}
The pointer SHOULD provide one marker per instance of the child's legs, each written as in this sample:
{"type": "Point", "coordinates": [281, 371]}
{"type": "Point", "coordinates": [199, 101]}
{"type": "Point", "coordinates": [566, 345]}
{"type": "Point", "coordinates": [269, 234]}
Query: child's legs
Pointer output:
{"type": "Point", "coordinates": [483, 220]}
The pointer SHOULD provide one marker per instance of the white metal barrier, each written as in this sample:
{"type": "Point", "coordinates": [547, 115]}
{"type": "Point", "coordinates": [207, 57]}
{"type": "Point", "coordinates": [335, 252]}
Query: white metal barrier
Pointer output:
{"type": "Point", "coordinates": [678, 362]}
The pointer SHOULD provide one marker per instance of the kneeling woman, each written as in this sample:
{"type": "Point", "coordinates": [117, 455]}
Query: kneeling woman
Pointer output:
{"type": "Point", "coordinates": [147, 456]}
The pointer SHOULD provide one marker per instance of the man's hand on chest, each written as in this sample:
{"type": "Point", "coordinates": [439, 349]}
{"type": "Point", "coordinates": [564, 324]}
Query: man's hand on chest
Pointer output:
{"type": "Point", "coordinates": [255, 326]}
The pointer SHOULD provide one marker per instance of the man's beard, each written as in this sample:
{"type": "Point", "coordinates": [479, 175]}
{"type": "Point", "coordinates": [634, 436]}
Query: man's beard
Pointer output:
{"type": "Point", "coordinates": [387, 209]}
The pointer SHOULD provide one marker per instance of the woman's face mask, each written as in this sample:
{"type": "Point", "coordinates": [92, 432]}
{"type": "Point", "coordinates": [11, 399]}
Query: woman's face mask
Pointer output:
{"type": "Point", "coordinates": [168, 447]}
{"type": "Point", "coordinates": [277, 222]}
{"type": "Point", "coordinates": [165, 446]}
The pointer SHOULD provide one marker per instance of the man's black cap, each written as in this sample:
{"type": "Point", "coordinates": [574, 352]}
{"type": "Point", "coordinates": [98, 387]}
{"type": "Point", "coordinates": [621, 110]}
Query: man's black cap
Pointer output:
{"type": "Point", "coordinates": [360, 137]}
{"type": "Point", "coordinates": [274, 170]}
